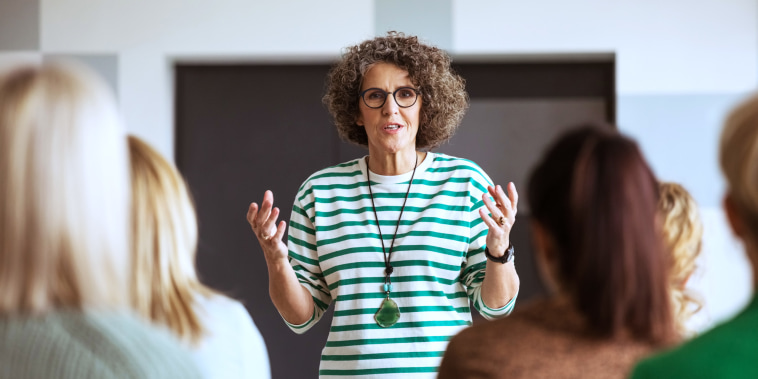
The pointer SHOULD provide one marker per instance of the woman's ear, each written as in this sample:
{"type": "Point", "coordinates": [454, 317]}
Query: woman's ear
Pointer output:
{"type": "Point", "coordinates": [359, 119]}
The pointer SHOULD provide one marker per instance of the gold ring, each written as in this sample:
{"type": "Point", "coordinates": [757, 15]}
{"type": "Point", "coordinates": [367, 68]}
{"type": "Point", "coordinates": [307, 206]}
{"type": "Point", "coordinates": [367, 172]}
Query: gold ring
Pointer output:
{"type": "Point", "coordinates": [501, 221]}
{"type": "Point", "coordinates": [265, 236]}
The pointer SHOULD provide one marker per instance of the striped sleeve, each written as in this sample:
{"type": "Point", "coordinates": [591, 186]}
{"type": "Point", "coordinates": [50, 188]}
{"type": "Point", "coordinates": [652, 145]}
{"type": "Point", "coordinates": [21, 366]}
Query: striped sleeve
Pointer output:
{"type": "Point", "coordinates": [303, 256]}
{"type": "Point", "coordinates": [475, 262]}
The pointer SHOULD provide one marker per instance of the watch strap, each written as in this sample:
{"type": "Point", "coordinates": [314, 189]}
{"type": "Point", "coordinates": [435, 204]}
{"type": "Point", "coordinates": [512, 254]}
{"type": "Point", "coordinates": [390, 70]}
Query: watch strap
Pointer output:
{"type": "Point", "coordinates": [507, 257]}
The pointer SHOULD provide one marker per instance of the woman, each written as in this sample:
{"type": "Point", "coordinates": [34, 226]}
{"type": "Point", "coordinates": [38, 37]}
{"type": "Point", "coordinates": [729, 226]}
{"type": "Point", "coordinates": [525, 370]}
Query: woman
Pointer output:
{"type": "Point", "coordinates": [730, 349]}
{"type": "Point", "coordinates": [64, 243]}
{"type": "Point", "coordinates": [223, 338]}
{"type": "Point", "coordinates": [397, 239]}
{"type": "Point", "coordinates": [682, 234]}
{"type": "Point", "coordinates": [593, 200]}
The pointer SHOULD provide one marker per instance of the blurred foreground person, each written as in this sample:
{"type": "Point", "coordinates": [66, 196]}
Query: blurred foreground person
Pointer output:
{"type": "Point", "coordinates": [223, 337]}
{"type": "Point", "coordinates": [64, 248]}
{"type": "Point", "coordinates": [593, 201]}
{"type": "Point", "coordinates": [729, 350]}
{"type": "Point", "coordinates": [682, 234]}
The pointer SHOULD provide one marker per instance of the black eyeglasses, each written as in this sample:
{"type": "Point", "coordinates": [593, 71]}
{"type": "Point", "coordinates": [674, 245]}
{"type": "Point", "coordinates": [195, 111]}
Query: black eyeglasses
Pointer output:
{"type": "Point", "coordinates": [404, 97]}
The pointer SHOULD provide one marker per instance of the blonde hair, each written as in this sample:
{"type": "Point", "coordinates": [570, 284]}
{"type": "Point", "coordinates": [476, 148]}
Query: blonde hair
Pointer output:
{"type": "Point", "coordinates": [682, 233]}
{"type": "Point", "coordinates": [739, 161]}
{"type": "Point", "coordinates": [63, 192]}
{"type": "Point", "coordinates": [164, 233]}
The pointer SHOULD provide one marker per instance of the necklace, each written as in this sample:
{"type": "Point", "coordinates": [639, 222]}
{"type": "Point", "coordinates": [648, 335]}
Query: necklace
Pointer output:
{"type": "Point", "coordinates": [388, 312]}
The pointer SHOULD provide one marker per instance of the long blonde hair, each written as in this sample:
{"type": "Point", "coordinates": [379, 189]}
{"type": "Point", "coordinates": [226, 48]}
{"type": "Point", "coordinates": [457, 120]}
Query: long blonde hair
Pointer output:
{"type": "Point", "coordinates": [164, 233]}
{"type": "Point", "coordinates": [63, 191]}
{"type": "Point", "coordinates": [682, 232]}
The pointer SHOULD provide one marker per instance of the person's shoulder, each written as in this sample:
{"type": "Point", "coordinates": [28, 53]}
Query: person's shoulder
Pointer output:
{"type": "Point", "coordinates": [486, 330]}
{"type": "Point", "coordinates": [229, 329]}
{"type": "Point", "coordinates": [533, 317]}
{"type": "Point", "coordinates": [343, 171]}
{"type": "Point", "coordinates": [727, 350]}
{"type": "Point", "coordinates": [135, 336]}
{"type": "Point", "coordinates": [443, 163]}
{"type": "Point", "coordinates": [221, 308]}
{"type": "Point", "coordinates": [120, 343]}
{"type": "Point", "coordinates": [677, 362]}
{"type": "Point", "coordinates": [444, 160]}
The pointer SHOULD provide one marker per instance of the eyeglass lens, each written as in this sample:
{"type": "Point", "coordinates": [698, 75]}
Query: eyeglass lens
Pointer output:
{"type": "Point", "coordinates": [375, 97]}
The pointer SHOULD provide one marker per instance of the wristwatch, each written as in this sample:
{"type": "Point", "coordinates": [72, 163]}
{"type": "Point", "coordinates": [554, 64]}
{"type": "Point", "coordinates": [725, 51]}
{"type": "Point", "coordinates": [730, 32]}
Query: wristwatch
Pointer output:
{"type": "Point", "coordinates": [507, 257]}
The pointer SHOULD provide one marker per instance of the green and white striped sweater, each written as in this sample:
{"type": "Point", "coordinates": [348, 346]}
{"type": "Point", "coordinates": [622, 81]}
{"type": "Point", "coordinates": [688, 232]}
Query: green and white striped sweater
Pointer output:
{"type": "Point", "coordinates": [438, 261]}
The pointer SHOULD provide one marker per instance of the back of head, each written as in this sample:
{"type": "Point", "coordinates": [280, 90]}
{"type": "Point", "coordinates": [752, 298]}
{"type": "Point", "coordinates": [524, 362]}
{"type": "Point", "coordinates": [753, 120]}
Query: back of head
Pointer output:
{"type": "Point", "coordinates": [164, 234]}
{"type": "Point", "coordinates": [596, 197]}
{"type": "Point", "coordinates": [738, 155]}
{"type": "Point", "coordinates": [63, 198]}
{"type": "Point", "coordinates": [682, 236]}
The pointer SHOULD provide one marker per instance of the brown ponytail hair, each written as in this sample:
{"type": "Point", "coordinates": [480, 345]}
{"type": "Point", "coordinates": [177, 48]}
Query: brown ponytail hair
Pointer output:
{"type": "Point", "coordinates": [594, 193]}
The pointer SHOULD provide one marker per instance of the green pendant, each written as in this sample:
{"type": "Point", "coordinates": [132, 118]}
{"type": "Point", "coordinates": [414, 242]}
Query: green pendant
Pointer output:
{"type": "Point", "coordinates": [388, 313]}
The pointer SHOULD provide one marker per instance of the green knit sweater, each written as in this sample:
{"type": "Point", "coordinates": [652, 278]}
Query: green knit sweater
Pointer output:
{"type": "Point", "coordinates": [73, 344]}
{"type": "Point", "coordinates": [729, 350]}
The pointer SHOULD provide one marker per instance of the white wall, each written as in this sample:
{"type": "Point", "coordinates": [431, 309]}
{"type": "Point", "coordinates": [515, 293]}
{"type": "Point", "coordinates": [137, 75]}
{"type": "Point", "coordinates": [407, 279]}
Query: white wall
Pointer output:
{"type": "Point", "coordinates": [148, 37]}
{"type": "Point", "coordinates": [680, 66]}
{"type": "Point", "coordinates": [662, 46]}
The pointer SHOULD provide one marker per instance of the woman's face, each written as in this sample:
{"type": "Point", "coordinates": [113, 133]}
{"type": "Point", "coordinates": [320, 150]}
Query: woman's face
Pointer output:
{"type": "Point", "coordinates": [390, 128]}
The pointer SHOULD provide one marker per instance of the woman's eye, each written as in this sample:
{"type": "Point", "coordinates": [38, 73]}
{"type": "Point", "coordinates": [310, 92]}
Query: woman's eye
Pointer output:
{"type": "Point", "coordinates": [375, 95]}
{"type": "Point", "coordinates": [406, 93]}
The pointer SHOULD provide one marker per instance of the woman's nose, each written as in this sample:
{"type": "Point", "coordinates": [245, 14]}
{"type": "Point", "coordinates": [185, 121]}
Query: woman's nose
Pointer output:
{"type": "Point", "coordinates": [390, 105]}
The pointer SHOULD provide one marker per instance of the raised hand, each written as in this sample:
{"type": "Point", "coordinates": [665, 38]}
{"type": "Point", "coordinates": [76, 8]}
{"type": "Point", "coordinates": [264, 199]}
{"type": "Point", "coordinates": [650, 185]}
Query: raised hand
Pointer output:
{"type": "Point", "coordinates": [263, 223]}
{"type": "Point", "coordinates": [503, 212]}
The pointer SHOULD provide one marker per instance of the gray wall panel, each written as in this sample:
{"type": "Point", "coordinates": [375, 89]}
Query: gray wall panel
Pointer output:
{"type": "Point", "coordinates": [19, 24]}
{"type": "Point", "coordinates": [431, 20]}
{"type": "Point", "coordinates": [106, 65]}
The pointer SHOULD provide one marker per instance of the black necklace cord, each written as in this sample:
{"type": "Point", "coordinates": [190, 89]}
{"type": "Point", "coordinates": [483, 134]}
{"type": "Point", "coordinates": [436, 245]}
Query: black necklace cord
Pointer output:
{"type": "Point", "coordinates": [388, 269]}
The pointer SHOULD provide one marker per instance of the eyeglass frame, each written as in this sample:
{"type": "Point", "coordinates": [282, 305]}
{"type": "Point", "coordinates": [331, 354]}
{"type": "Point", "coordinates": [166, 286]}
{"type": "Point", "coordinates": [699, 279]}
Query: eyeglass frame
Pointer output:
{"type": "Point", "coordinates": [416, 91]}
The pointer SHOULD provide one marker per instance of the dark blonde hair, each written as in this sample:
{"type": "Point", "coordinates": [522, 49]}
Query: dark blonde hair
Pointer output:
{"type": "Point", "coordinates": [682, 233]}
{"type": "Point", "coordinates": [595, 195]}
{"type": "Point", "coordinates": [444, 98]}
{"type": "Point", "coordinates": [164, 233]}
{"type": "Point", "coordinates": [738, 154]}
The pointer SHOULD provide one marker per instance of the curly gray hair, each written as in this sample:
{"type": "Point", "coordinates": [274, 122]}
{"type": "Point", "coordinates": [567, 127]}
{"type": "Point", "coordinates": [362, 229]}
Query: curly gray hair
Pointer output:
{"type": "Point", "coordinates": [444, 98]}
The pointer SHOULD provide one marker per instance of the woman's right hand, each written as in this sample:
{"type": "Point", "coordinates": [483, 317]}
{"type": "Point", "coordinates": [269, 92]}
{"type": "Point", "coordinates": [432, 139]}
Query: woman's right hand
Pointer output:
{"type": "Point", "coordinates": [263, 223]}
{"type": "Point", "coordinates": [291, 299]}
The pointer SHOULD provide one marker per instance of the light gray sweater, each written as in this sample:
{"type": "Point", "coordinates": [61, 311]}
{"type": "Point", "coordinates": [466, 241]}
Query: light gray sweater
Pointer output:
{"type": "Point", "coordinates": [74, 344]}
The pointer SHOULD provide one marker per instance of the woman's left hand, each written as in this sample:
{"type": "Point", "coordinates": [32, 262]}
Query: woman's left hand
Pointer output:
{"type": "Point", "coordinates": [503, 212]}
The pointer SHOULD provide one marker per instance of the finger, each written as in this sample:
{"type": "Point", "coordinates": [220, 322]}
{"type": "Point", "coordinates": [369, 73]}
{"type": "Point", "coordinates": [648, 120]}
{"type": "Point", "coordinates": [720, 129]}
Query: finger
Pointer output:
{"type": "Point", "coordinates": [513, 195]}
{"type": "Point", "coordinates": [502, 199]}
{"type": "Point", "coordinates": [252, 210]}
{"type": "Point", "coordinates": [269, 226]}
{"type": "Point", "coordinates": [491, 224]}
{"type": "Point", "coordinates": [266, 205]}
{"type": "Point", "coordinates": [491, 206]}
{"type": "Point", "coordinates": [280, 230]}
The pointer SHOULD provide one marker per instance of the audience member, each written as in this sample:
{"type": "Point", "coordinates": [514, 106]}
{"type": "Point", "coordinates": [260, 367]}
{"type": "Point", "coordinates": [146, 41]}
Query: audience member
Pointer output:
{"type": "Point", "coordinates": [64, 246]}
{"type": "Point", "coordinates": [220, 332]}
{"type": "Point", "coordinates": [729, 350]}
{"type": "Point", "coordinates": [593, 204]}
